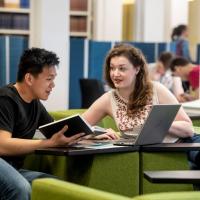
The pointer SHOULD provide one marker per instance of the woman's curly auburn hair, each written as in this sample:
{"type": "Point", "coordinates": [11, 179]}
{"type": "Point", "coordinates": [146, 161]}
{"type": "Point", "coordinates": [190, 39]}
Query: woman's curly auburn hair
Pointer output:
{"type": "Point", "coordinates": [143, 89]}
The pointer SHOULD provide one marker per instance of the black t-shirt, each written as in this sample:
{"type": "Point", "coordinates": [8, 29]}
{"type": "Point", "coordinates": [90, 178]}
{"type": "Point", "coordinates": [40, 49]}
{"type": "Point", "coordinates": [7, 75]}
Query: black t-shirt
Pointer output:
{"type": "Point", "coordinates": [20, 118]}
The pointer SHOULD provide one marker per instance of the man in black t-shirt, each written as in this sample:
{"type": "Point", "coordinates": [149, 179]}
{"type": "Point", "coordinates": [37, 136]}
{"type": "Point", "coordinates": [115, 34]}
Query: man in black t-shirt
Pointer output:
{"type": "Point", "coordinates": [21, 113]}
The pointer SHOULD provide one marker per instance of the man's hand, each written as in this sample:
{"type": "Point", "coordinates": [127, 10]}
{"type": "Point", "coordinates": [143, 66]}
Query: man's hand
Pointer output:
{"type": "Point", "coordinates": [59, 139]}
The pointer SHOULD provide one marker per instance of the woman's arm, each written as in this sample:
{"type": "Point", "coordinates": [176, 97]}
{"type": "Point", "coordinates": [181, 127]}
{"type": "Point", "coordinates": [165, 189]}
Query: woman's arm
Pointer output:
{"type": "Point", "coordinates": [182, 125]}
{"type": "Point", "coordinates": [98, 110]}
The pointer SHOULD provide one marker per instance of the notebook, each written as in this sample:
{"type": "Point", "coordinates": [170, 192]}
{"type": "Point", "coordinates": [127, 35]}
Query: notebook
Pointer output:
{"type": "Point", "coordinates": [156, 126]}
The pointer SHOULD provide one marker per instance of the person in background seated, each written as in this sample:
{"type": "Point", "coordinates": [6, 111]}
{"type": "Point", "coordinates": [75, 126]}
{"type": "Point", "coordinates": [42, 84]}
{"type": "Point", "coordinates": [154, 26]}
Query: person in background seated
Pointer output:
{"type": "Point", "coordinates": [187, 71]}
{"type": "Point", "coordinates": [21, 113]}
{"type": "Point", "coordinates": [180, 37]}
{"type": "Point", "coordinates": [162, 71]}
{"type": "Point", "coordinates": [173, 83]}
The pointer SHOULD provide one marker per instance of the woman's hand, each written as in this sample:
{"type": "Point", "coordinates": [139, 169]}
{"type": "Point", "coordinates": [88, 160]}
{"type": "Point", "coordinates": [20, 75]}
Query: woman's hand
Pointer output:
{"type": "Point", "coordinates": [109, 135]}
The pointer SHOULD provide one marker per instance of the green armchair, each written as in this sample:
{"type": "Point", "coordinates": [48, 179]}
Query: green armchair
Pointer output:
{"type": "Point", "coordinates": [53, 189]}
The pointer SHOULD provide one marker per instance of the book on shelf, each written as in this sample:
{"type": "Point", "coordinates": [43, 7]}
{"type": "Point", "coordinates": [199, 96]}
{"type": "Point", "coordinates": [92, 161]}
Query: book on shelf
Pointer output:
{"type": "Point", "coordinates": [78, 23]}
{"type": "Point", "coordinates": [14, 21]}
{"type": "Point", "coordinates": [12, 3]}
{"type": "Point", "coordinates": [24, 3]}
{"type": "Point", "coordinates": [78, 5]}
{"type": "Point", "coordinates": [1, 3]}
{"type": "Point", "coordinates": [15, 3]}
{"type": "Point", "coordinates": [76, 124]}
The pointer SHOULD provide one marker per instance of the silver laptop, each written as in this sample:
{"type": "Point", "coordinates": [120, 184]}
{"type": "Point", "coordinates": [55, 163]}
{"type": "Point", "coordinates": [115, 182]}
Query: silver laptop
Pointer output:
{"type": "Point", "coordinates": [156, 126]}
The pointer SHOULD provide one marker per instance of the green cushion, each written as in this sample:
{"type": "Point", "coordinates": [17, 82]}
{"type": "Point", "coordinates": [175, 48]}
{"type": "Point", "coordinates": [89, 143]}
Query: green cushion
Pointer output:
{"type": "Point", "coordinates": [196, 129]}
{"type": "Point", "coordinates": [65, 113]}
{"type": "Point", "coordinates": [52, 189]}
{"type": "Point", "coordinates": [196, 122]}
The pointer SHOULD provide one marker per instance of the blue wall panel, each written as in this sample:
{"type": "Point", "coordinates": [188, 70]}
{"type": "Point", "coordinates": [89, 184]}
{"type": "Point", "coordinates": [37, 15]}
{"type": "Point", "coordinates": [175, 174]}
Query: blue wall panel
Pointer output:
{"type": "Point", "coordinates": [17, 46]}
{"type": "Point", "coordinates": [76, 71]}
{"type": "Point", "coordinates": [198, 54]}
{"type": "Point", "coordinates": [148, 49]}
{"type": "Point", "coordinates": [2, 61]}
{"type": "Point", "coordinates": [97, 54]}
{"type": "Point", "coordinates": [161, 48]}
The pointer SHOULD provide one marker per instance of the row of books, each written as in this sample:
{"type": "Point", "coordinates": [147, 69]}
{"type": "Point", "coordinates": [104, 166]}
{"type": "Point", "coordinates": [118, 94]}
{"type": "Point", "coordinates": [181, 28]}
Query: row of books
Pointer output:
{"type": "Point", "coordinates": [11, 49]}
{"type": "Point", "coordinates": [14, 21]}
{"type": "Point", "coordinates": [78, 23]}
{"type": "Point", "coordinates": [78, 5]}
{"type": "Point", "coordinates": [15, 3]}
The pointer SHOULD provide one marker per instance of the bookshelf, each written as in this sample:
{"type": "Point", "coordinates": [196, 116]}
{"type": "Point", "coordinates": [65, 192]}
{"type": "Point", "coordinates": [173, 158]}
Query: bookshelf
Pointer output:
{"type": "Point", "coordinates": [15, 34]}
{"type": "Point", "coordinates": [15, 17]}
{"type": "Point", "coordinates": [80, 18]}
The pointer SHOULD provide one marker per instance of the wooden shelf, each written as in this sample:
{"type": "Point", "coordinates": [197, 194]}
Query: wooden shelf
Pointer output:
{"type": "Point", "coordinates": [15, 10]}
{"type": "Point", "coordinates": [80, 18]}
{"type": "Point", "coordinates": [14, 32]}
{"type": "Point", "coordinates": [79, 13]}
{"type": "Point", "coordinates": [79, 34]}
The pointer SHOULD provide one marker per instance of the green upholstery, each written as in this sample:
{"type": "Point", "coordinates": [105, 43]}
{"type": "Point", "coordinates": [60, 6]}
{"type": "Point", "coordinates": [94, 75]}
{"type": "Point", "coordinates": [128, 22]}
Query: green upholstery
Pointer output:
{"type": "Point", "coordinates": [66, 113]}
{"type": "Point", "coordinates": [196, 122]}
{"type": "Point", "coordinates": [163, 161]}
{"type": "Point", "coordinates": [107, 122]}
{"type": "Point", "coordinates": [116, 173]}
{"type": "Point", "coordinates": [52, 189]}
{"type": "Point", "coordinates": [197, 129]}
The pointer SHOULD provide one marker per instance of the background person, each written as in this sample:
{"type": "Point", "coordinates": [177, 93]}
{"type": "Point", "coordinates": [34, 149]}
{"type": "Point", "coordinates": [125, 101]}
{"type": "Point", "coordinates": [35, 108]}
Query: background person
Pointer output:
{"type": "Point", "coordinates": [180, 37]}
{"type": "Point", "coordinates": [187, 72]}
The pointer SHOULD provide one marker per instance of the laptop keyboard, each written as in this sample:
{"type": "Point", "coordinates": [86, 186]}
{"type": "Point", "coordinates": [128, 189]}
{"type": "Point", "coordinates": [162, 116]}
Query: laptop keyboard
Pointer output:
{"type": "Point", "coordinates": [125, 141]}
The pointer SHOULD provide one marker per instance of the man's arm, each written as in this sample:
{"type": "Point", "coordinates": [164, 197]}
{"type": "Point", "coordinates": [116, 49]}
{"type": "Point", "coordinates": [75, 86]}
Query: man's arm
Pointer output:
{"type": "Point", "coordinates": [14, 146]}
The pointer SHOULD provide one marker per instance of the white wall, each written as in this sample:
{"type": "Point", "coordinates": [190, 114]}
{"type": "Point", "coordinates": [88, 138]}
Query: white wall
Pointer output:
{"type": "Point", "coordinates": [107, 24]}
{"type": "Point", "coordinates": [155, 19]}
{"type": "Point", "coordinates": [51, 31]}
{"type": "Point", "coordinates": [179, 12]}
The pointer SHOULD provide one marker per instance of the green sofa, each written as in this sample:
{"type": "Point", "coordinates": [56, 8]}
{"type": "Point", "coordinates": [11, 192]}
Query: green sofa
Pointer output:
{"type": "Point", "coordinates": [53, 189]}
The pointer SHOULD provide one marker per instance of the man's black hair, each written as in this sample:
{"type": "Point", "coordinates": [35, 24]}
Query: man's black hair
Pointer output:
{"type": "Point", "coordinates": [34, 60]}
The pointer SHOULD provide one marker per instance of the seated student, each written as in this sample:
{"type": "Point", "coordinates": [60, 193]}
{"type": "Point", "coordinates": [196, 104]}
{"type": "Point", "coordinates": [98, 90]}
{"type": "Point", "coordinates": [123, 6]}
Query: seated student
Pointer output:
{"type": "Point", "coordinates": [21, 113]}
{"type": "Point", "coordinates": [164, 75]}
{"type": "Point", "coordinates": [187, 72]}
{"type": "Point", "coordinates": [163, 71]}
{"type": "Point", "coordinates": [133, 95]}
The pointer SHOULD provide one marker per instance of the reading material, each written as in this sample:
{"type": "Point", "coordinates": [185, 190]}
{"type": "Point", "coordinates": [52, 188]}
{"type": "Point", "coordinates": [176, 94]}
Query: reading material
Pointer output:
{"type": "Point", "coordinates": [76, 124]}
